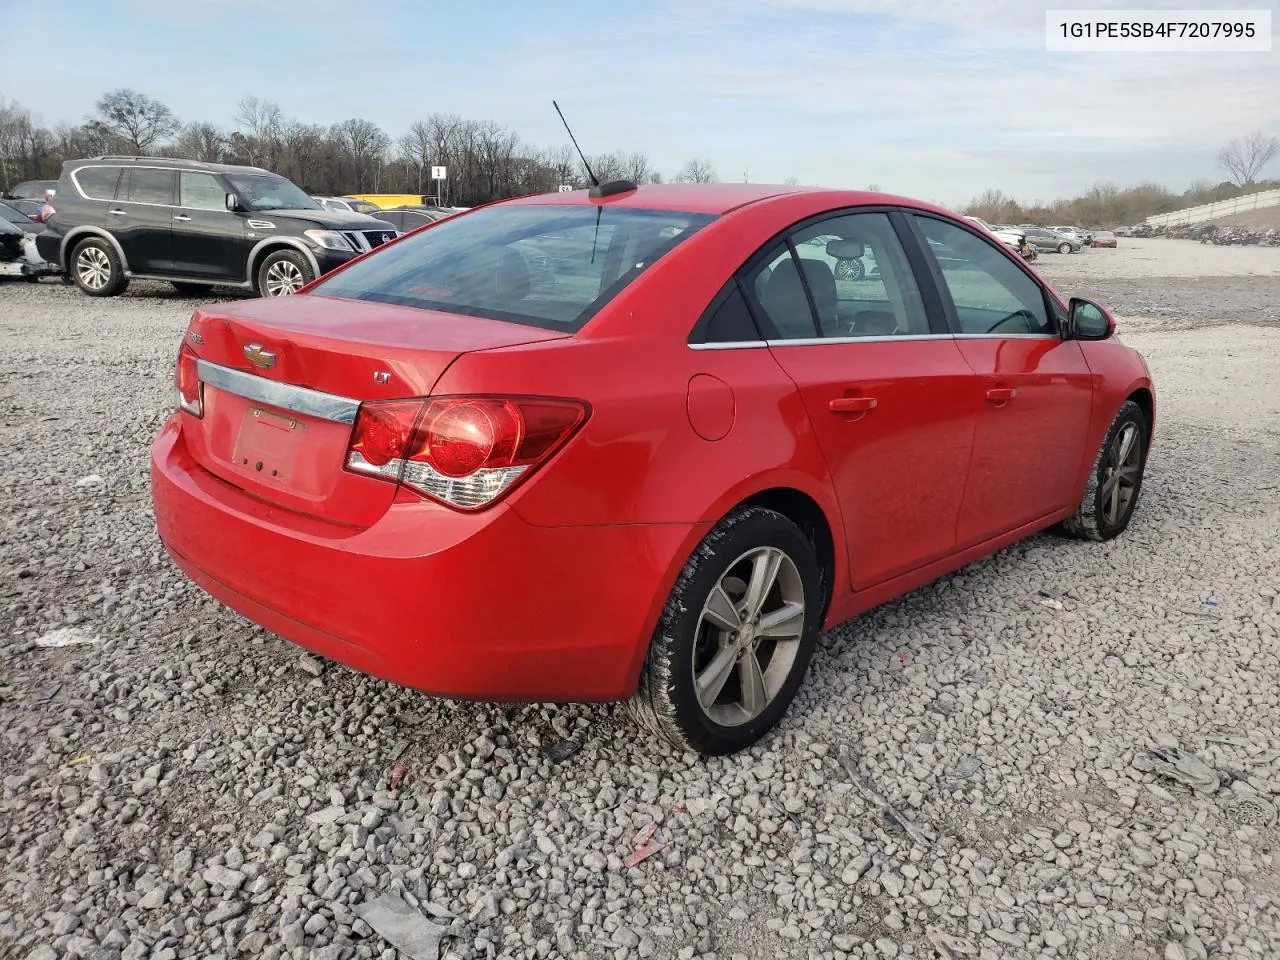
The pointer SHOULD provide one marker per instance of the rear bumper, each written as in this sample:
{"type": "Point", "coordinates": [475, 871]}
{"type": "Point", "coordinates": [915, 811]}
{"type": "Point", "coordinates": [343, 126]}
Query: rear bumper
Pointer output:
{"type": "Point", "coordinates": [472, 606]}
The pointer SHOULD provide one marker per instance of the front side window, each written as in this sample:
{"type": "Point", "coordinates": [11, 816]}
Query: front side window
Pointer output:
{"type": "Point", "coordinates": [149, 185]}
{"type": "Point", "coordinates": [202, 191]}
{"type": "Point", "coordinates": [98, 183]}
{"type": "Point", "coordinates": [545, 265]}
{"type": "Point", "coordinates": [992, 295]}
{"type": "Point", "coordinates": [264, 192]}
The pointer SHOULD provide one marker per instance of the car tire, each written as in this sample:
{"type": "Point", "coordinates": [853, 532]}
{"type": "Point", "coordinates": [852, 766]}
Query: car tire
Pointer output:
{"type": "Point", "coordinates": [191, 289]}
{"type": "Point", "coordinates": [96, 269]}
{"type": "Point", "coordinates": [850, 270]}
{"type": "Point", "coordinates": [712, 591]}
{"type": "Point", "coordinates": [1064, 248]}
{"type": "Point", "coordinates": [282, 273]}
{"type": "Point", "coordinates": [1108, 504]}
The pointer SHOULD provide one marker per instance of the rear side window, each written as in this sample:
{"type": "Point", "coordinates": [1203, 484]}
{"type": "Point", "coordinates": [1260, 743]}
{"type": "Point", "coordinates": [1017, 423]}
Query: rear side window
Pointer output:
{"type": "Point", "coordinates": [97, 183]}
{"type": "Point", "coordinates": [148, 185]}
{"type": "Point", "coordinates": [550, 266]}
{"type": "Point", "coordinates": [202, 191]}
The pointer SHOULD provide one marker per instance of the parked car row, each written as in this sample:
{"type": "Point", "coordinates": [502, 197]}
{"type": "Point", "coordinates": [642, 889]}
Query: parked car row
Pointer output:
{"type": "Point", "coordinates": [112, 219]}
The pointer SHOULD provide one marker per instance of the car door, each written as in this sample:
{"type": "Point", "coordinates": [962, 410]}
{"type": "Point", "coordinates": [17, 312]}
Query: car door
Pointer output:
{"type": "Point", "coordinates": [880, 384]}
{"type": "Point", "coordinates": [141, 218]}
{"type": "Point", "coordinates": [1033, 389]}
{"type": "Point", "coordinates": [209, 241]}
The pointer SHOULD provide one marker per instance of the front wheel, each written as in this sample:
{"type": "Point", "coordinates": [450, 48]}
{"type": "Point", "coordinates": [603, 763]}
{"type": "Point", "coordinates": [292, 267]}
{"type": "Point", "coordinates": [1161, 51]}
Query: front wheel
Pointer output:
{"type": "Point", "coordinates": [1064, 248]}
{"type": "Point", "coordinates": [1111, 495]}
{"type": "Point", "coordinates": [282, 273]}
{"type": "Point", "coordinates": [736, 636]}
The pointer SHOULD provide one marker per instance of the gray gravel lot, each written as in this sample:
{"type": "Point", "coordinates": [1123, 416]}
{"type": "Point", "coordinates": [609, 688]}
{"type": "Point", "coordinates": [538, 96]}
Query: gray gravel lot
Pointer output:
{"type": "Point", "coordinates": [189, 786]}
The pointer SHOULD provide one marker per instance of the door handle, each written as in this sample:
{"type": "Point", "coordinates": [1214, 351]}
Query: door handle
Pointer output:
{"type": "Point", "coordinates": [1001, 394]}
{"type": "Point", "coordinates": [852, 404]}
{"type": "Point", "coordinates": [181, 216]}
{"type": "Point", "coordinates": [117, 213]}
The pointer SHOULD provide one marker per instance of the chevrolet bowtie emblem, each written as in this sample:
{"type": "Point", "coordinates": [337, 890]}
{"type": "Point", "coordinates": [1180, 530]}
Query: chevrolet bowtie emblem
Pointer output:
{"type": "Point", "coordinates": [259, 357]}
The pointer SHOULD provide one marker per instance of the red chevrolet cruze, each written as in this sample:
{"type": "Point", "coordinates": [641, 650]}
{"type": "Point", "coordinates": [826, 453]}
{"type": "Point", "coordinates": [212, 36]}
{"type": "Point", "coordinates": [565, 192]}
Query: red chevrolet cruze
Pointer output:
{"type": "Point", "coordinates": [639, 442]}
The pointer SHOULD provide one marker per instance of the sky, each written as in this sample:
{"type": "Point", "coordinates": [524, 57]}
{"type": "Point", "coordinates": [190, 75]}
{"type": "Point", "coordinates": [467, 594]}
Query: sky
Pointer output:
{"type": "Point", "coordinates": [937, 99]}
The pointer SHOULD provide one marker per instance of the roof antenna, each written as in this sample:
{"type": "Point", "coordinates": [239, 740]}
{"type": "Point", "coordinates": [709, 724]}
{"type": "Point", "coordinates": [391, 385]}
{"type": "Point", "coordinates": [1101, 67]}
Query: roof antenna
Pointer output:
{"type": "Point", "coordinates": [595, 182]}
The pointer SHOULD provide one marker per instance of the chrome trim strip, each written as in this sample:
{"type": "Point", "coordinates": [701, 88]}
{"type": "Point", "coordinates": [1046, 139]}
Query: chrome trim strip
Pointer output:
{"type": "Point", "coordinates": [729, 345]}
{"type": "Point", "coordinates": [1007, 336]}
{"type": "Point", "coordinates": [311, 403]}
{"type": "Point", "coordinates": [891, 338]}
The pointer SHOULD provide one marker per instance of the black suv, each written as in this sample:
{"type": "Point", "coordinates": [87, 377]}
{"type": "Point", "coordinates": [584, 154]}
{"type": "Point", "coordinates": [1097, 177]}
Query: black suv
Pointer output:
{"type": "Point", "coordinates": [196, 225]}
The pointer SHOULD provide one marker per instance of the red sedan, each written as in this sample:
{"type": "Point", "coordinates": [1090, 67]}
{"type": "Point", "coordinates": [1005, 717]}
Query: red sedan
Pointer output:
{"type": "Point", "coordinates": [652, 467]}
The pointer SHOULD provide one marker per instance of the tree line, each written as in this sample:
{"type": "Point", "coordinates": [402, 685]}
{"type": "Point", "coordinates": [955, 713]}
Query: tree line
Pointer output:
{"type": "Point", "coordinates": [1108, 205]}
{"type": "Point", "coordinates": [485, 160]}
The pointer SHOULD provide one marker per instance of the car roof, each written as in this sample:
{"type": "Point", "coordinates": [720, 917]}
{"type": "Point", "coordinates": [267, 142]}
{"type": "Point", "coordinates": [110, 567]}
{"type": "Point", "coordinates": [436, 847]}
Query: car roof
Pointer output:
{"type": "Point", "coordinates": [718, 198]}
{"type": "Point", "coordinates": [176, 163]}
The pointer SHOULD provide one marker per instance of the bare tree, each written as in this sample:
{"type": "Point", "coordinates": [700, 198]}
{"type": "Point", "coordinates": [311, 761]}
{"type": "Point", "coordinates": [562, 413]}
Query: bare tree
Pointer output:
{"type": "Point", "coordinates": [263, 123]}
{"type": "Point", "coordinates": [137, 119]}
{"type": "Point", "coordinates": [994, 206]}
{"type": "Point", "coordinates": [696, 171]}
{"type": "Point", "coordinates": [363, 146]}
{"type": "Point", "coordinates": [1243, 159]}
{"type": "Point", "coordinates": [15, 122]}
{"type": "Point", "coordinates": [199, 141]}
{"type": "Point", "coordinates": [791, 182]}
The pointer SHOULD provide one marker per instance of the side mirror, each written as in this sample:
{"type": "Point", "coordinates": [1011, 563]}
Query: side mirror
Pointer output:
{"type": "Point", "coordinates": [232, 203]}
{"type": "Point", "coordinates": [1089, 321]}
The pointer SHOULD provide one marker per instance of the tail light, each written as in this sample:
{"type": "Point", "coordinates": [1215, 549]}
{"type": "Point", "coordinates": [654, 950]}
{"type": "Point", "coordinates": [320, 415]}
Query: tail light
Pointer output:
{"type": "Point", "coordinates": [463, 451]}
{"type": "Point", "coordinates": [46, 211]}
{"type": "Point", "coordinates": [186, 381]}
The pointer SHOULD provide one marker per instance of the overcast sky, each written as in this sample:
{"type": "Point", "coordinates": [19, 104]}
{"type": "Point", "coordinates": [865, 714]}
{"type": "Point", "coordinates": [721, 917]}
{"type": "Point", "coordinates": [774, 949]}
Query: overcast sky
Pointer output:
{"type": "Point", "coordinates": [938, 99]}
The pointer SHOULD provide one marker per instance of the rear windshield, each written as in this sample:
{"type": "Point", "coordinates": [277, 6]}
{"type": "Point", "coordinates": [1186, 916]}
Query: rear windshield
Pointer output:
{"type": "Point", "coordinates": [547, 266]}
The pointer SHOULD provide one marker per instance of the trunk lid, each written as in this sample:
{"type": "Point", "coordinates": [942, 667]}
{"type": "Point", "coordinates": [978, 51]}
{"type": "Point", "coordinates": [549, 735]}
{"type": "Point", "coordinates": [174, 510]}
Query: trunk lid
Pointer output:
{"type": "Point", "coordinates": [290, 372]}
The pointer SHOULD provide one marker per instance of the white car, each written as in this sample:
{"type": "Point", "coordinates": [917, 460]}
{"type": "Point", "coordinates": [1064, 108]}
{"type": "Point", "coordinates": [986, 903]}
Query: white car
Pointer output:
{"type": "Point", "coordinates": [347, 203]}
{"type": "Point", "coordinates": [1009, 237]}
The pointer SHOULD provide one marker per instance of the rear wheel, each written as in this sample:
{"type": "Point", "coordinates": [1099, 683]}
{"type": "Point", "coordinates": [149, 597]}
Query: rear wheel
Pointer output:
{"type": "Point", "coordinates": [191, 289]}
{"type": "Point", "coordinates": [736, 636]}
{"type": "Point", "coordinates": [1111, 494]}
{"type": "Point", "coordinates": [96, 269]}
{"type": "Point", "coordinates": [282, 273]}
{"type": "Point", "coordinates": [1064, 248]}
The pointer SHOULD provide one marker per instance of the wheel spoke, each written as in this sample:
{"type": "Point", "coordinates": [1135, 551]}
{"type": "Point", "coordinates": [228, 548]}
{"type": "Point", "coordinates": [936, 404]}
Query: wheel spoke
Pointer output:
{"type": "Point", "coordinates": [785, 623]}
{"type": "Point", "coordinates": [721, 611]}
{"type": "Point", "coordinates": [1124, 444]}
{"type": "Point", "coordinates": [754, 696]}
{"type": "Point", "coordinates": [709, 684]}
{"type": "Point", "coordinates": [764, 572]}
{"type": "Point", "coordinates": [1112, 507]}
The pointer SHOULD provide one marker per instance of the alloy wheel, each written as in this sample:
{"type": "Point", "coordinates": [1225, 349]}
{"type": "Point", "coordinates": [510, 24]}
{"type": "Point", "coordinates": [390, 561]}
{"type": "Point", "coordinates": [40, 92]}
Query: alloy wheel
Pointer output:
{"type": "Point", "coordinates": [93, 268]}
{"type": "Point", "coordinates": [1121, 474]}
{"type": "Point", "coordinates": [748, 636]}
{"type": "Point", "coordinates": [284, 278]}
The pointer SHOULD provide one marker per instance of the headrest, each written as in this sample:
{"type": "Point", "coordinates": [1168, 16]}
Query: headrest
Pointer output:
{"type": "Point", "coordinates": [845, 249]}
{"type": "Point", "coordinates": [511, 275]}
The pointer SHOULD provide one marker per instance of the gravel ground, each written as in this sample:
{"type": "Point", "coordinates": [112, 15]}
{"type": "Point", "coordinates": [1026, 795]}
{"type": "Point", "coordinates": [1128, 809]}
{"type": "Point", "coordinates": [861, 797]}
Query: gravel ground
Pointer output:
{"type": "Point", "coordinates": [187, 785]}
